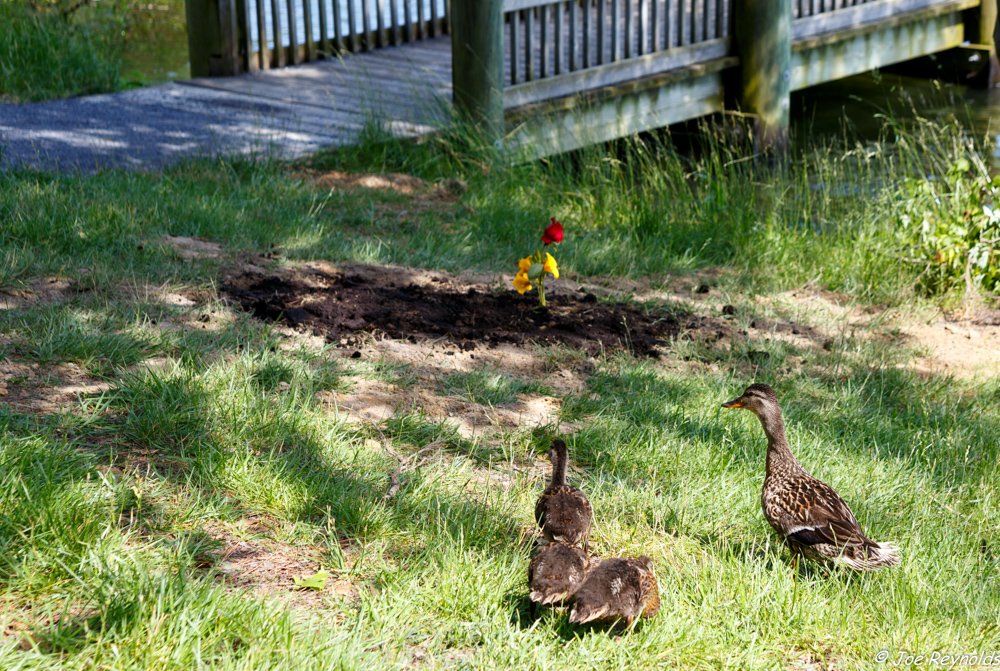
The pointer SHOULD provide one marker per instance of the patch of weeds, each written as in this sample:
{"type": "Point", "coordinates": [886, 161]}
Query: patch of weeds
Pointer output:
{"type": "Point", "coordinates": [489, 386]}
{"type": "Point", "coordinates": [563, 356]}
{"type": "Point", "coordinates": [399, 374]}
{"type": "Point", "coordinates": [416, 430]}
{"type": "Point", "coordinates": [92, 337]}
{"type": "Point", "coordinates": [272, 372]}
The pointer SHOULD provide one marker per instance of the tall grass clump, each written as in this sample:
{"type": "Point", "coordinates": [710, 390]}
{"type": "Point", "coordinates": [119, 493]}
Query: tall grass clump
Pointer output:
{"type": "Point", "coordinates": [46, 54]}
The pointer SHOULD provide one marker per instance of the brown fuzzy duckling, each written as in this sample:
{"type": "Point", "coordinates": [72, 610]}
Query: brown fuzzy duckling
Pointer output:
{"type": "Point", "coordinates": [807, 513]}
{"type": "Point", "coordinates": [617, 589]}
{"type": "Point", "coordinates": [562, 511]}
{"type": "Point", "coordinates": [555, 573]}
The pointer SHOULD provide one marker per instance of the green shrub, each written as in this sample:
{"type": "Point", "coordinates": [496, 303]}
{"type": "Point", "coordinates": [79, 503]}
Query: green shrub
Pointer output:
{"type": "Point", "coordinates": [953, 228]}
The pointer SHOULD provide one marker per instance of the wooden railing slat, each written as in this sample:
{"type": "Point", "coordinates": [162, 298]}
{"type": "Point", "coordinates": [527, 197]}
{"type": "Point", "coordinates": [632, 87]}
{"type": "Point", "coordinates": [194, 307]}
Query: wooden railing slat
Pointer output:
{"type": "Point", "coordinates": [656, 27]}
{"type": "Point", "coordinates": [380, 40]}
{"type": "Point", "coordinates": [627, 17]}
{"type": "Point", "coordinates": [601, 13]}
{"type": "Point", "coordinates": [338, 37]}
{"type": "Point", "coordinates": [324, 28]}
{"type": "Point", "coordinates": [543, 40]}
{"type": "Point", "coordinates": [574, 22]}
{"type": "Point", "coordinates": [421, 26]}
{"type": "Point", "coordinates": [366, 25]}
{"type": "Point", "coordinates": [307, 28]}
{"type": "Point", "coordinates": [263, 57]}
{"type": "Point", "coordinates": [393, 23]}
{"type": "Point", "coordinates": [558, 37]}
{"type": "Point", "coordinates": [529, 38]}
{"type": "Point", "coordinates": [352, 27]}
{"type": "Point", "coordinates": [825, 22]}
{"type": "Point", "coordinates": [293, 41]}
{"type": "Point", "coordinates": [614, 73]}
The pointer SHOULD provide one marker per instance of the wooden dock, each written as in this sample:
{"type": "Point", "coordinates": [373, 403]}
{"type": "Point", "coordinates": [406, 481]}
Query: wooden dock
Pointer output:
{"type": "Point", "coordinates": [406, 88]}
{"type": "Point", "coordinates": [546, 76]}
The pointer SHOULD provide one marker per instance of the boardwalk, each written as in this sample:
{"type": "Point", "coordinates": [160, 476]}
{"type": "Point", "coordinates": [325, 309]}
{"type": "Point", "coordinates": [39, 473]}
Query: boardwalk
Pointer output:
{"type": "Point", "coordinates": [287, 113]}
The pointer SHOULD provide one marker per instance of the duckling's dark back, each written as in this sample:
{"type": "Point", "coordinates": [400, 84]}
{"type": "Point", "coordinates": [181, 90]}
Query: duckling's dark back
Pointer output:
{"type": "Point", "coordinates": [556, 572]}
{"type": "Point", "coordinates": [563, 511]}
{"type": "Point", "coordinates": [617, 589]}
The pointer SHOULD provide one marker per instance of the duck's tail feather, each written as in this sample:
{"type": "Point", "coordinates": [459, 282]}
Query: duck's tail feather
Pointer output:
{"type": "Point", "coordinates": [872, 557]}
{"type": "Point", "coordinates": [547, 597]}
{"type": "Point", "coordinates": [582, 612]}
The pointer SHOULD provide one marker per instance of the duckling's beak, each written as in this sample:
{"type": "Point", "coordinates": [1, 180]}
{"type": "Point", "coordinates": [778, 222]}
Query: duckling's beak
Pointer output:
{"type": "Point", "coordinates": [735, 403]}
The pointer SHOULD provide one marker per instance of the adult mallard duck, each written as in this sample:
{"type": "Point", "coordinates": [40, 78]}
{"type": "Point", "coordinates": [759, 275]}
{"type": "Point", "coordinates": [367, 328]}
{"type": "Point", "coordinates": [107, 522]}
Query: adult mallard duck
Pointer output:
{"type": "Point", "coordinates": [555, 573]}
{"type": "Point", "coordinates": [562, 511]}
{"type": "Point", "coordinates": [617, 589]}
{"type": "Point", "coordinates": [809, 514]}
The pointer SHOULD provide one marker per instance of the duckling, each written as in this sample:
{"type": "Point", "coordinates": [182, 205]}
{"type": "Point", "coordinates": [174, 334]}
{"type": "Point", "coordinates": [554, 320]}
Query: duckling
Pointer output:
{"type": "Point", "coordinates": [811, 517]}
{"type": "Point", "coordinates": [562, 511]}
{"type": "Point", "coordinates": [617, 589]}
{"type": "Point", "coordinates": [555, 573]}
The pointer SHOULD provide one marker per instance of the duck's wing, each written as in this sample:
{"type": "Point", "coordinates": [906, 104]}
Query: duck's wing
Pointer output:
{"type": "Point", "coordinates": [812, 513]}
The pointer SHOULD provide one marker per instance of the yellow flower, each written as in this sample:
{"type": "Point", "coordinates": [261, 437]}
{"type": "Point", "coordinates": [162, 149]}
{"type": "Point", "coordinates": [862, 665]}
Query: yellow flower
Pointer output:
{"type": "Point", "coordinates": [550, 266]}
{"type": "Point", "coordinates": [522, 283]}
{"type": "Point", "coordinates": [523, 265]}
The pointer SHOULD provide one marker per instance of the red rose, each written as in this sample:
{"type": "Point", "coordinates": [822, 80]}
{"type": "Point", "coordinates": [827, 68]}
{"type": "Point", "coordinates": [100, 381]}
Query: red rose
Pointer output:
{"type": "Point", "coordinates": [553, 233]}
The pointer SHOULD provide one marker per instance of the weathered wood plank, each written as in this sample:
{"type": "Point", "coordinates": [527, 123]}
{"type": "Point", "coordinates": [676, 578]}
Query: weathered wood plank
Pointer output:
{"type": "Point", "coordinates": [815, 60]}
{"type": "Point", "coordinates": [859, 15]}
{"type": "Point", "coordinates": [576, 126]}
{"type": "Point", "coordinates": [518, 5]}
{"type": "Point", "coordinates": [307, 26]}
{"type": "Point", "coordinates": [614, 73]}
{"type": "Point", "coordinates": [279, 52]}
{"type": "Point", "coordinates": [293, 39]}
{"type": "Point", "coordinates": [263, 55]}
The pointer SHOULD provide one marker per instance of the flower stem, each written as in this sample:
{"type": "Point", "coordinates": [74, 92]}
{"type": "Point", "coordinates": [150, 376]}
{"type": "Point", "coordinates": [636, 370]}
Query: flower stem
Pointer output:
{"type": "Point", "coordinates": [541, 293]}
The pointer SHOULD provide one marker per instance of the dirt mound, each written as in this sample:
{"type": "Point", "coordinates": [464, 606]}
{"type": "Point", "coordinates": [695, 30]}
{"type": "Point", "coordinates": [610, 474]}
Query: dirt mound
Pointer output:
{"type": "Point", "coordinates": [336, 304]}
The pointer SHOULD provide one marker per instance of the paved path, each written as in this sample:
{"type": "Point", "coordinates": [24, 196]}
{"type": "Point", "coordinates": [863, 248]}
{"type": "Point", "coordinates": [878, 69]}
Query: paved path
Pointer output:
{"type": "Point", "coordinates": [286, 112]}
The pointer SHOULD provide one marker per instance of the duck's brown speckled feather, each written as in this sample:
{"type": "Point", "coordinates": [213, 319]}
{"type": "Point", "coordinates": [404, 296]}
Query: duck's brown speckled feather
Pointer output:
{"type": "Point", "coordinates": [617, 589]}
{"type": "Point", "coordinates": [563, 511]}
{"type": "Point", "coordinates": [556, 573]}
{"type": "Point", "coordinates": [564, 514]}
{"type": "Point", "coordinates": [808, 513]}
{"type": "Point", "coordinates": [814, 519]}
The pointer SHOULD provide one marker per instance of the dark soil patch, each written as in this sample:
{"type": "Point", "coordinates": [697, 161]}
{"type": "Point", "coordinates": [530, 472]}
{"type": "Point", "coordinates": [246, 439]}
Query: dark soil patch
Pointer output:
{"type": "Point", "coordinates": [337, 305]}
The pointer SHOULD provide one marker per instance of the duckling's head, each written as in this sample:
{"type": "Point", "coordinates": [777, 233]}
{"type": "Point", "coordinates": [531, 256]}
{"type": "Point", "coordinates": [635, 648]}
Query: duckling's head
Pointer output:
{"type": "Point", "coordinates": [759, 399]}
{"type": "Point", "coordinates": [645, 562]}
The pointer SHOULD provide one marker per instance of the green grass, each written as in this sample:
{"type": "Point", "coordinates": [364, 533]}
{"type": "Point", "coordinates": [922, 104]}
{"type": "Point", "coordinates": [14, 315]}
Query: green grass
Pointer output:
{"type": "Point", "coordinates": [45, 56]}
{"type": "Point", "coordinates": [110, 508]}
{"type": "Point", "coordinates": [489, 387]}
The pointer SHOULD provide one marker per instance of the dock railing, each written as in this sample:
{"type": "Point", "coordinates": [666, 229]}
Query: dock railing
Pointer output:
{"type": "Point", "coordinates": [227, 37]}
{"type": "Point", "coordinates": [647, 62]}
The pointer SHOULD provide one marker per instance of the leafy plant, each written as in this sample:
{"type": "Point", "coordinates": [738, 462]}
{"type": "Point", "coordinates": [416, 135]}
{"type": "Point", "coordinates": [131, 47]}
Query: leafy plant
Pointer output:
{"type": "Point", "coordinates": [316, 581]}
{"type": "Point", "coordinates": [953, 227]}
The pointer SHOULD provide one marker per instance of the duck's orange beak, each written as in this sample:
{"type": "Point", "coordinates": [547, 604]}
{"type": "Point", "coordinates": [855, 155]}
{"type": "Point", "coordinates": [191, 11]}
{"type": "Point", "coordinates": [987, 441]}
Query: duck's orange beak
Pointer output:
{"type": "Point", "coordinates": [735, 403]}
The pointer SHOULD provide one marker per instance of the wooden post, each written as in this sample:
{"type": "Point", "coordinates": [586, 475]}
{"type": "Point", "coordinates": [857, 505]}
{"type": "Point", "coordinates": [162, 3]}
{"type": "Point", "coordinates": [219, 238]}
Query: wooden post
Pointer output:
{"type": "Point", "coordinates": [213, 43]}
{"type": "Point", "coordinates": [477, 62]}
{"type": "Point", "coordinates": [985, 23]}
{"type": "Point", "coordinates": [762, 31]}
